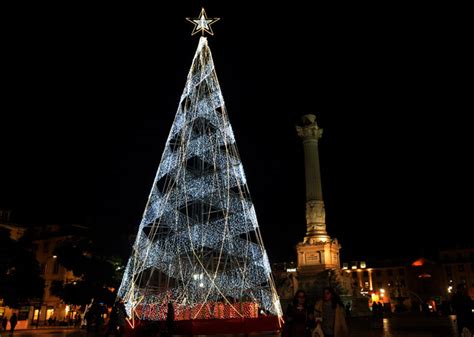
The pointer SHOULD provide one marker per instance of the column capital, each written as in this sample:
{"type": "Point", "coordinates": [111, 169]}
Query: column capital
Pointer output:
{"type": "Point", "coordinates": [310, 129]}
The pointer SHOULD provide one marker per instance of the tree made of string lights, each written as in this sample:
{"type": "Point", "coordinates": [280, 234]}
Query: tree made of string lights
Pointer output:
{"type": "Point", "coordinates": [199, 246]}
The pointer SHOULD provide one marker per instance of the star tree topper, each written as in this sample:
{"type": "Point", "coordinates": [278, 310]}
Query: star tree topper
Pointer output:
{"type": "Point", "coordinates": [202, 23]}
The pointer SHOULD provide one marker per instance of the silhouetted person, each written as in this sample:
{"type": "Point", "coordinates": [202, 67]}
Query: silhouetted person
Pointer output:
{"type": "Point", "coordinates": [375, 308]}
{"type": "Point", "coordinates": [169, 325]}
{"type": "Point", "coordinates": [4, 323]}
{"type": "Point", "coordinates": [298, 317]}
{"type": "Point", "coordinates": [99, 319]}
{"type": "Point", "coordinates": [463, 306]}
{"type": "Point", "coordinates": [376, 315]}
{"type": "Point", "coordinates": [13, 321]}
{"type": "Point", "coordinates": [380, 312]}
{"type": "Point", "coordinates": [348, 310]}
{"type": "Point", "coordinates": [121, 318]}
{"type": "Point", "coordinates": [112, 325]}
{"type": "Point", "coordinates": [89, 317]}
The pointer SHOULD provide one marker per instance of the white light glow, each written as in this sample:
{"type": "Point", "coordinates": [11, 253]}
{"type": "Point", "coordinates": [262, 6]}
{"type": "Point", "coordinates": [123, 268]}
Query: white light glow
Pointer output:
{"type": "Point", "coordinates": [199, 241]}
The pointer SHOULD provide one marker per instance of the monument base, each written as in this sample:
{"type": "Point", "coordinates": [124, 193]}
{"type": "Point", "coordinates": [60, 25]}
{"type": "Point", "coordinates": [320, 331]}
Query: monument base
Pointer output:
{"type": "Point", "coordinates": [360, 307]}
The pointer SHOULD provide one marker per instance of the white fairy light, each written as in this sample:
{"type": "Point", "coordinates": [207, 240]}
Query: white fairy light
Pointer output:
{"type": "Point", "coordinates": [199, 244]}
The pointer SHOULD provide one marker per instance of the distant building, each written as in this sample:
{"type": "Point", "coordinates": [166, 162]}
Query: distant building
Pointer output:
{"type": "Point", "coordinates": [457, 268]}
{"type": "Point", "coordinates": [48, 238]}
{"type": "Point", "coordinates": [16, 232]}
{"type": "Point", "coordinates": [44, 239]}
{"type": "Point", "coordinates": [416, 285]}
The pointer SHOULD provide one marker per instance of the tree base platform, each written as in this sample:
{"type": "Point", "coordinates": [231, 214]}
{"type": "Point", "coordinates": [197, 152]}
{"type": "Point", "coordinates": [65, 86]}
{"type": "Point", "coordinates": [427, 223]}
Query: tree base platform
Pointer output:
{"type": "Point", "coordinates": [261, 326]}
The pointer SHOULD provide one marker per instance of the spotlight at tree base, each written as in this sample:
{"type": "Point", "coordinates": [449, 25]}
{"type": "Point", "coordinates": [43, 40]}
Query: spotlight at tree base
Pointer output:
{"type": "Point", "coordinates": [199, 253]}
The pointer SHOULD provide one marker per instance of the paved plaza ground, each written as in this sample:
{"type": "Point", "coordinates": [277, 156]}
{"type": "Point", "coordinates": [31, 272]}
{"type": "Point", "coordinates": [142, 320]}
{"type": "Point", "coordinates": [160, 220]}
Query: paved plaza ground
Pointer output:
{"type": "Point", "coordinates": [396, 326]}
{"type": "Point", "coordinates": [406, 326]}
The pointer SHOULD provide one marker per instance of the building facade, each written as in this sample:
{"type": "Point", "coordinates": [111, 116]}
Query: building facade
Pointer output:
{"type": "Point", "coordinates": [48, 239]}
{"type": "Point", "coordinates": [414, 285]}
{"type": "Point", "coordinates": [45, 240]}
{"type": "Point", "coordinates": [457, 268]}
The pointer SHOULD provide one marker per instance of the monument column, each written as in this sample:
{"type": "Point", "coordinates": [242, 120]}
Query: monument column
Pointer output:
{"type": "Point", "coordinates": [315, 213]}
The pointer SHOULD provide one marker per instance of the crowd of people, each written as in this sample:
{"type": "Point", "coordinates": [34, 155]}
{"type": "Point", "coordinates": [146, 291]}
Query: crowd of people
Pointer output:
{"type": "Point", "coordinates": [95, 320]}
{"type": "Point", "coordinates": [326, 318]}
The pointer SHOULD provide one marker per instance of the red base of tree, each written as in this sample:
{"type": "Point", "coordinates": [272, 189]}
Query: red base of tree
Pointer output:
{"type": "Point", "coordinates": [205, 326]}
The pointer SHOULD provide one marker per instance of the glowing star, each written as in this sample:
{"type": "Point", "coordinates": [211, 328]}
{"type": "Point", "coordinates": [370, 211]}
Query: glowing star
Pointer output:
{"type": "Point", "coordinates": [202, 24]}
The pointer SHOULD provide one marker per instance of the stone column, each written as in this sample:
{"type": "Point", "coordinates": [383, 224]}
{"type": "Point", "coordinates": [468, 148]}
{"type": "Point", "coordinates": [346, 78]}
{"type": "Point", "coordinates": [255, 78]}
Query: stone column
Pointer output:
{"type": "Point", "coordinates": [315, 214]}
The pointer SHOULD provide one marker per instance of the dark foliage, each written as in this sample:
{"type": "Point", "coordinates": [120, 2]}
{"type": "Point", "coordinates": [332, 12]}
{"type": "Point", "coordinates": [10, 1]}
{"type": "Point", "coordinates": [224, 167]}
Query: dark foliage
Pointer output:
{"type": "Point", "coordinates": [20, 276]}
{"type": "Point", "coordinates": [100, 275]}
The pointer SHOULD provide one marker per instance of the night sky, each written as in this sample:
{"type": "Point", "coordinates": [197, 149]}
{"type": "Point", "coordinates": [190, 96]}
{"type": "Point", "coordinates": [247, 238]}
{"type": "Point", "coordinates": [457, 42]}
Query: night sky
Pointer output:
{"type": "Point", "coordinates": [89, 95]}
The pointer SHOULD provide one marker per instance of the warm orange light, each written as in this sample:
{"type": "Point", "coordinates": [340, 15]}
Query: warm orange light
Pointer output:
{"type": "Point", "coordinates": [375, 297]}
{"type": "Point", "coordinates": [419, 262]}
{"type": "Point", "coordinates": [49, 313]}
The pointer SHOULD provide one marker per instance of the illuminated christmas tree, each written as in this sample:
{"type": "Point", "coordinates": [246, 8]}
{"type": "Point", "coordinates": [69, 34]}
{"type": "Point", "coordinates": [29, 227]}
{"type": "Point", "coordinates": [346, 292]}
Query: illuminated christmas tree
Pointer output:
{"type": "Point", "coordinates": [199, 246]}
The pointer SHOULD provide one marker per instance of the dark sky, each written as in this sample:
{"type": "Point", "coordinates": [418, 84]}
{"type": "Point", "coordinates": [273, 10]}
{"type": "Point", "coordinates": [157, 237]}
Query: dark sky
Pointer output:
{"type": "Point", "coordinates": [89, 95]}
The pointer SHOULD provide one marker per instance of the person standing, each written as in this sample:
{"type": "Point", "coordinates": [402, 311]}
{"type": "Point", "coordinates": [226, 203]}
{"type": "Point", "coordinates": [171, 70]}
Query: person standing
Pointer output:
{"type": "Point", "coordinates": [329, 314]}
{"type": "Point", "coordinates": [463, 306]}
{"type": "Point", "coordinates": [348, 310]}
{"type": "Point", "coordinates": [13, 321]}
{"type": "Point", "coordinates": [121, 318]}
{"type": "Point", "coordinates": [299, 317]}
{"type": "Point", "coordinates": [4, 323]}
{"type": "Point", "coordinates": [112, 325]}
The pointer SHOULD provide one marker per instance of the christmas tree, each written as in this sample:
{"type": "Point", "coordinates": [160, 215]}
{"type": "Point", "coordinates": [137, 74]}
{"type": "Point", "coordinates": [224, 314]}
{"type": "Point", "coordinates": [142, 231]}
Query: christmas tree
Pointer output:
{"type": "Point", "coordinates": [198, 246]}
